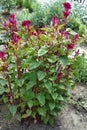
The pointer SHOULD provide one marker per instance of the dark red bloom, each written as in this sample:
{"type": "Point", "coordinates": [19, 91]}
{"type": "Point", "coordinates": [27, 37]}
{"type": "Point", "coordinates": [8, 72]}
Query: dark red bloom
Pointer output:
{"type": "Point", "coordinates": [76, 37]}
{"type": "Point", "coordinates": [55, 20]}
{"type": "Point", "coordinates": [67, 6]}
{"type": "Point", "coordinates": [68, 68]}
{"type": "Point", "coordinates": [66, 13]}
{"type": "Point", "coordinates": [26, 23]}
{"type": "Point", "coordinates": [77, 52]}
{"type": "Point", "coordinates": [38, 30]}
{"type": "Point", "coordinates": [71, 46]}
{"type": "Point", "coordinates": [31, 33]}
{"type": "Point", "coordinates": [15, 38]}
{"type": "Point", "coordinates": [47, 70]}
{"type": "Point", "coordinates": [65, 33]}
{"type": "Point", "coordinates": [60, 74]}
{"type": "Point", "coordinates": [2, 54]}
{"type": "Point", "coordinates": [12, 22]}
{"type": "Point", "coordinates": [12, 16]}
{"type": "Point", "coordinates": [5, 67]}
{"type": "Point", "coordinates": [5, 24]}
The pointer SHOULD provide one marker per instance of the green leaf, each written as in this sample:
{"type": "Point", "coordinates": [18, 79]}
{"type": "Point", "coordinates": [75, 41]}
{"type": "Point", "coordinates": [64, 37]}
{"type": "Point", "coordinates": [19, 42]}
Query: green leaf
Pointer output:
{"type": "Point", "coordinates": [18, 116]}
{"type": "Point", "coordinates": [60, 98]}
{"type": "Point", "coordinates": [61, 86]}
{"type": "Point", "coordinates": [53, 113]}
{"type": "Point", "coordinates": [41, 75]}
{"type": "Point", "coordinates": [13, 110]}
{"type": "Point", "coordinates": [30, 84]}
{"type": "Point", "coordinates": [46, 119]}
{"type": "Point", "coordinates": [51, 105]}
{"type": "Point", "coordinates": [41, 98]}
{"type": "Point", "coordinates": [61, 50]}
{"type": "Point", "coordinates": [2, 90]}
{"type": "Point", "coordinates": [48, 85]}
{"type": "Point", "coordinates": [54, 96]}
{"type": "Point", "coordinates": [3, 82]}
{"type": "Point", "coordinates": [42, 111]}
{"type": "Point", "coordinates": [52, 59]}
{"type": "Point", "coordinates": [34, 64]}
{"type": "Point", "coordinates": [29, 112]}
{"type": "Point", "coordinates": [28, 95]}
{"type": "Point", "coordinates": [43, 37]}
{"type": "Point", "coordinates": [33, 76]}
{"type": "Point", "coordinates": [63, 60]}
{"type": "Point", "coordinates": [42, 51]}
{"type": "Point", "coordinates": [30, 103]}
{"type": "Point", "coordinates": [51, 121]}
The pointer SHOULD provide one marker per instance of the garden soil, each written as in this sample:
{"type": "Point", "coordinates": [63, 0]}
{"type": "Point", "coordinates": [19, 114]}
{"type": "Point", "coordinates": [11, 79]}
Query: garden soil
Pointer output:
{"type": "Point", "coordinates": [73, 117]}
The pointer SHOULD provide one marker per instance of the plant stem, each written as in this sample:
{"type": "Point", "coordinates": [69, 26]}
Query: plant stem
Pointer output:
{"type": "Point", "coordinates": [18, 71]}
{"type": "Point", "coordinates": [9, 84]}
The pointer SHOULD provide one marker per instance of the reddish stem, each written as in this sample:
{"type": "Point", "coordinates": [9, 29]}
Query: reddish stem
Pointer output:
{"type": "Point", "coordinates": [18, 71]}
{"type": "Point", "coordinates": [9, 84]}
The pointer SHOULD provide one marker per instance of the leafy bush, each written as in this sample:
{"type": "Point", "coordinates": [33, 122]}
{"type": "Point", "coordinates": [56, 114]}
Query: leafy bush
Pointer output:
{"type": "Point", "coordinates": [38, 67]}
{"type": "Point", "coordinates": [83, 70]}
{"type": "Point", "coordinates": [6, 5]}
{"type": "Point", "coordinates": [44, 14]}
{"type": "Point", "coordinates": [29, 4]}
{"type": "Point", "coordinates": [79, 10]}
{"type": "Point", "coordinates": [77, 25]}
{"type": "Point", "coordinates": [24, 14]}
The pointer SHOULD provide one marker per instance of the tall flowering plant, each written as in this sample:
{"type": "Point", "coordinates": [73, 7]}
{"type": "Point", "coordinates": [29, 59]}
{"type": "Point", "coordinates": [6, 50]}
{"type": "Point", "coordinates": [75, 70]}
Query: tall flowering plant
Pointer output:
{"type": "Point", "coordinates": [38, 67]}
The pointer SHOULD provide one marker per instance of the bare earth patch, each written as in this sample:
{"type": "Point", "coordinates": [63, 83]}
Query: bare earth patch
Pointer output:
{"type": "Point", "coordinates": [73, 117]}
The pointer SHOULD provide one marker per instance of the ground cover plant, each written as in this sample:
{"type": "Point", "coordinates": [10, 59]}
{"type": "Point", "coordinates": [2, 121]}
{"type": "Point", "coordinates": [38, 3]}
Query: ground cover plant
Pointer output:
{"type": "Point", "coordinates": [38, 67]}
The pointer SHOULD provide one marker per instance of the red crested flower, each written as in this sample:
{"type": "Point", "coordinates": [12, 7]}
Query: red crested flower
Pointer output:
{"type": "Point", "coordinates": [76, 37]}
{"type": "Point", "coordinates": [64, 33]}
{"type": "Point", "coordinates": [67, 6]}
{"type": "Point", "coordinates": [5, 24]}
{"type": "Point", "coordinates": [26, 23]}
{"type": "Point", "coordinates": [55, 20]}
{"type": "Point", "coordinates": [47, 70]}
{"type": "Point", "coordinates": [15, 38]}
{"type": "Point", "coordinates": [2, 54]}
{"type": "Point", "coordinates": [12, 22]}
{"type": "Point", "coordinates": [68, 68]}
{"type": "Point", "coordinates": [38, 30]}
{"type": "Point", "coordinates": [12, 16]}
{"type": "Point", "coordinates": [66, 13]}
{"type": "Point", "coordinates": [77, 52]}
{"type": "Point", "coordinates": [71, 46]}
{"type": "Point", "coordinates": [31, 33]}
{"type": "Point", "coordinates": [60, 74]}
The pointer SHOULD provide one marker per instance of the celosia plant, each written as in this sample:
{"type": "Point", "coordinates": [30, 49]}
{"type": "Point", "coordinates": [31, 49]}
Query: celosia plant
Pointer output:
{"type": "Point", "coordinates": [38, 67]}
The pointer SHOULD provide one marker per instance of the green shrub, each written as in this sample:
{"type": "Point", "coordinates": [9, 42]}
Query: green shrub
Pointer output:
{"type": "Point", "coordinates": [7, 5]}
{"type": "Point", "coordinates": [77, 25]}
{"type": "Point", "coordinates": [24, 14]}
{"type": "Point", "coordinates": [44, 14]}
{"type": "Point", "coordinates": [38, 68]}
{"type": "Point", "coordinates": [79, 10]}
{"type": "Point", "coordinates": [29, 4]}
{"type": "Point", "coordinates": [83, 70]}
